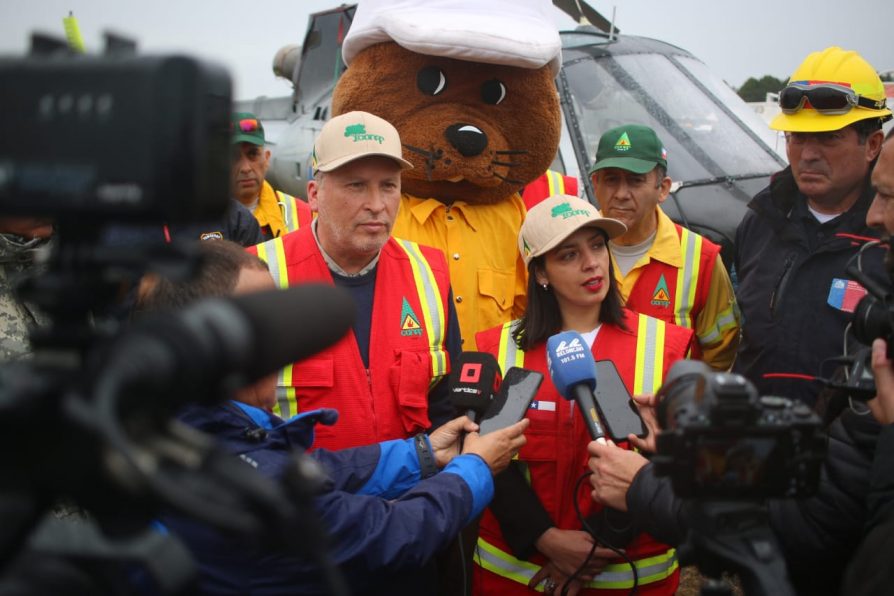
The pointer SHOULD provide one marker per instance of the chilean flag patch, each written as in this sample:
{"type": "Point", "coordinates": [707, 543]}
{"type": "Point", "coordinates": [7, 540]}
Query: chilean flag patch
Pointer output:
{"type": "Point", "coordinates": [543, 406]}
{"type": "Point", "coordinates": [844, 294]}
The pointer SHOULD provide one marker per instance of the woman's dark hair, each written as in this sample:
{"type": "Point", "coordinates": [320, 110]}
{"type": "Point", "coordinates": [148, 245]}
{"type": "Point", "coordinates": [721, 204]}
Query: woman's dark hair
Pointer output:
{"type": "Point", "coordinates": [542, 317]}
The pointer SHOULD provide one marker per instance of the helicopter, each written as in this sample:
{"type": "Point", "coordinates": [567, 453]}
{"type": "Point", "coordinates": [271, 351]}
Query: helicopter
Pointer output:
{"type": "Point", "coordinates": [722, 153]}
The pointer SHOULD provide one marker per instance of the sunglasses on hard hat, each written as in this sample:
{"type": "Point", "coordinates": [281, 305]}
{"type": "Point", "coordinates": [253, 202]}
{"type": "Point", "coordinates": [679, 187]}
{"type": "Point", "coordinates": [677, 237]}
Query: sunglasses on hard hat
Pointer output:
{"type": "Point", "coordinates": [249, 125]}
{"type": "Point", "coordinates": [826, 98]}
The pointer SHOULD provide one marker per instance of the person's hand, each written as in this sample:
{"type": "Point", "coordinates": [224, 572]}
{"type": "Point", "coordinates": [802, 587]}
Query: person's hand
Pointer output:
{"type": "Point", "coordinates": [445, 439]}
{"type": "Point", "coordinates": [567, 549]}
{"type": "Point", "coordinates": [882, 405]}
{"type": "Point", "coordinates": [554, 581]}
{"type": "Point", "coordinates": [613, 471]}
{"type": "Point", "coordinates": [646, 404]}
{"type": "Point", "coordinates": [497, 448]}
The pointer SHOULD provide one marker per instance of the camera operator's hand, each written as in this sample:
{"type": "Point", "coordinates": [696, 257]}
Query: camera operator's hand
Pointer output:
{"type": "Point", "coordinates": [445, 440]}
{"type": "Point", "coordinates": [613, 471]}
{"type": "Point", "coordinates": [646, 404]}
{"type": "Point", "coordinates": [498, 447]}
{"type": "Point", "coordinates": [882, 405]}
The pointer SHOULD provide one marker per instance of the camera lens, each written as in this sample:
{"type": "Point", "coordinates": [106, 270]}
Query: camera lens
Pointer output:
{"type": "Point", "coordinates": [871, 320]}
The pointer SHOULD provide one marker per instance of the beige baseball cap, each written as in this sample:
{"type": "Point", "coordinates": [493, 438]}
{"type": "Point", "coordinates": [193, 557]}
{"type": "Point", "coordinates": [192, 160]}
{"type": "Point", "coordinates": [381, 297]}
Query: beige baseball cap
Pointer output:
{"type": "Point", "coordinates": [554, 219]}
{"type": "Point", "coordinates": [352, 136]}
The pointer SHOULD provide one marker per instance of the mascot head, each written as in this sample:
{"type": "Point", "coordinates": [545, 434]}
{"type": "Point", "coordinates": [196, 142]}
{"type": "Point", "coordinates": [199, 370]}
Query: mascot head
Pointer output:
{"type": "Point", "coordinates": [469, 86]}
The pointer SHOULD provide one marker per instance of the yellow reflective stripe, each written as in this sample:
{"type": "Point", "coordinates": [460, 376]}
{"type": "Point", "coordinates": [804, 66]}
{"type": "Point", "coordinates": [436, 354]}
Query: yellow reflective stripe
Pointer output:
{"type": "Point", "coordinates": [432, 307]}
{"type": "Point", "coordinates": [726, 320]}
{"type": "Point", "coordinates": [555, 183]}
{"type": "Point", "coordinates": [687, 277]}
{"type": "Point", "coordinates": [289, 211]}
{"type": "Point", "coordinates": [509, 354]}
{"type": "Point", "coordinates": [273, 253]}
{"type": "Point", "coordinates": [616, 575]}
{"type": "Point", "coordinates": [649, 355]}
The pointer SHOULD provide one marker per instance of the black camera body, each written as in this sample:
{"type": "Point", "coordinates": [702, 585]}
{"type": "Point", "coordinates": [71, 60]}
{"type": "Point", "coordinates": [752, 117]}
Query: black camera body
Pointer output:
{"type": "Point", "coordinates": [720, 440]}
{"type": "Point", "coordinates": [114, 138]}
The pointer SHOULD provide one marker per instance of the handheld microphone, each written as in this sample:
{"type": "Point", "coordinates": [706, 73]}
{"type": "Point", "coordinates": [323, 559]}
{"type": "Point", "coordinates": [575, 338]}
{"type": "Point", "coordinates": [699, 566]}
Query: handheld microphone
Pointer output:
{"type": "Point", "coordinates": [573, 372]}
{"type": "Point", "coordinates": [473, 381]}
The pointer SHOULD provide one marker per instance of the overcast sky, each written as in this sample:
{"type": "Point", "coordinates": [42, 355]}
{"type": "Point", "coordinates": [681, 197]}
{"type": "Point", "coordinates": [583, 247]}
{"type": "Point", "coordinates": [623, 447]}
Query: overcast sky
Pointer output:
{"type": "Point", "coordinates": [735, 38]}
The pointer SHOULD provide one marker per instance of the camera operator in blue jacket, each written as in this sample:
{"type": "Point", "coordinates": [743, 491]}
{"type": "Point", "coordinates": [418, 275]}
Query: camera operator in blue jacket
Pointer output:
{"type": "Point", "coordinates": [388, 508]}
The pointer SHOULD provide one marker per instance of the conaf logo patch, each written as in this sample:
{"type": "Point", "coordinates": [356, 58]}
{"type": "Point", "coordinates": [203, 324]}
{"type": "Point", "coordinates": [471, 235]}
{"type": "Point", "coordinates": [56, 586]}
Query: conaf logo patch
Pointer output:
{"type": "Point", "coordinates": [623, 143]}
{"type": "Point", "coordinates": [409, 321]}
{"type": "Point", "coordinates": [661, 295]}
{"type": "Point", "coordinates": [211, 236]}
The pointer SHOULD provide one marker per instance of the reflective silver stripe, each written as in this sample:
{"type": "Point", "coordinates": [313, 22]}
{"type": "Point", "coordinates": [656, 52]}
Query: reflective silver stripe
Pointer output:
{"type": "Point", "coordinates": [649, 337]}
{"type": "Point", "coordinates": [269, 251]}
{"type": "Point", "coordinates": [685, 291]}
{"type": "Point", "coordinates": [282, 397]}
{"type": "Point", "coordinates": [555, 183]}
{"type": "Point", "coordinates": [725, 321]}
{"type": "Point", "coordinates": [431, 298]}
{"type": "Point", "coordinates": [433, 309]}
{"type": "Point", "coordinates": [289, 211]}
{"type": "Point", "coordinates": [615, 576]}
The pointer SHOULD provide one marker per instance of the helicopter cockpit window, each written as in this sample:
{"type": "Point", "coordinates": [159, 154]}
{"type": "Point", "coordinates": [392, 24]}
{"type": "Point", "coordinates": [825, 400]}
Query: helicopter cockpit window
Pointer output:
{"type": "Point", "coordinates": [602, 102]}
{"type": "Point", "coordinates": [701, 139]}
{"type": "Point", "coordinates": [321, 62]}
{"type": "Point", "coordinates": [743, 112]}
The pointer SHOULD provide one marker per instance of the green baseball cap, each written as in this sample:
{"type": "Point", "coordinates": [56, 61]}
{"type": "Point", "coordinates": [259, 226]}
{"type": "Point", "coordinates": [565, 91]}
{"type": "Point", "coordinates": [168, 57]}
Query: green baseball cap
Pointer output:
{"type": "Point", "coordinates": [633, 147]}
{"type": "Point", "coordinates": [247, 129]}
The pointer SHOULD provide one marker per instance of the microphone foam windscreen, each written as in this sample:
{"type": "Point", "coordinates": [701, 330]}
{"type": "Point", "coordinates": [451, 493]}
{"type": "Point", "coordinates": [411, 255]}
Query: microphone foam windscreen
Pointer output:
{"type": "Point", "coordinates": [472, 380]}
{"type": "Point", "coordinates": [570, 362]}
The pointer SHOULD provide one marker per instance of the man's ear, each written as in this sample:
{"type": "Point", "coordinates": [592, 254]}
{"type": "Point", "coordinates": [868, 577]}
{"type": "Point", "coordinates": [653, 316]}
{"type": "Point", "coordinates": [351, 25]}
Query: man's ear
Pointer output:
{"type": "Point", "coordinates": [874, 144]}
{"type": "Point", "coordinates": [664, 189]}
{"type": "Point", "coordinates": [313, 189]}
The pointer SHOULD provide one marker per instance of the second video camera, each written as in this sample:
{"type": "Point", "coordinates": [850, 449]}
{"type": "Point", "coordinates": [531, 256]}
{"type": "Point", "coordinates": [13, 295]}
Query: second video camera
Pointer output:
{"type": "Point", "coordinates": [720, 440]}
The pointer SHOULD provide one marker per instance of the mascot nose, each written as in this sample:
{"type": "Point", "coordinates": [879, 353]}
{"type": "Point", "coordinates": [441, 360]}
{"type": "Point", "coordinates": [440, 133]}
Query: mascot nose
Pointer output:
{"type": "Point", "coordinates": [467, 139]}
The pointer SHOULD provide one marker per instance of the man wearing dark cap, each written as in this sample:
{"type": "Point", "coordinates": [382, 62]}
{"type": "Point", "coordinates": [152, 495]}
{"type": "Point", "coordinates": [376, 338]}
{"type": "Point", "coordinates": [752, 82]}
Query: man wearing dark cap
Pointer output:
{"type": "Point", "coordinates": [277, 213]}
{"type": "Point", "coordinates": [387, 377]}
{"type": "Point", "coordinates": [663, 270]}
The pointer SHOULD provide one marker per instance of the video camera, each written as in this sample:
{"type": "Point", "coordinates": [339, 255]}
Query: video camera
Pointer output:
{"type": "Point", "coordinates": [722, 441]}
{"type": "Point", "coordinates": [114, 138]}
{"type": "Point", "coordinates": [91, 141]}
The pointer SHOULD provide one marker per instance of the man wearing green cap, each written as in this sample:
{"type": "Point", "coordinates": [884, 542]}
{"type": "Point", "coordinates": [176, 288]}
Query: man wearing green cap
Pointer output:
{"type": "Point", "coordinates": [794, 244]}
{"type": "Point", "coordinates": [277, 213]}
{"type": "Point", "coordinates": [662, 269]}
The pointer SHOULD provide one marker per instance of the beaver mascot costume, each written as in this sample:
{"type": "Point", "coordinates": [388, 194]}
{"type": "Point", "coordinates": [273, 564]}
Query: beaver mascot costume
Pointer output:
{"type": "Point", "coordinates": [469, 86]}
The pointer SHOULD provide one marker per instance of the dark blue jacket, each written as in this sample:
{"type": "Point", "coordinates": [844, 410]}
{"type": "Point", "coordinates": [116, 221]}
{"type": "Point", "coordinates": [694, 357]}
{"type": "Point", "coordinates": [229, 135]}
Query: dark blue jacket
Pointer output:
{"type": "Point", "coordinates": [786, 262]}
{"type": "Point", "coordinates": [382, 521]}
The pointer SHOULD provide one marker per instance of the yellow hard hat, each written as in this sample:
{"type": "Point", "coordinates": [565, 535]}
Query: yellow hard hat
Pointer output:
{"type": "Point", "coordinates": [843, 75]}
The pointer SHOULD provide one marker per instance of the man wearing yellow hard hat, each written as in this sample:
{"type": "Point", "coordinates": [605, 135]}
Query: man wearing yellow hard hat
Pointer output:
{"type": "Point", "coordinates": [800, 232]}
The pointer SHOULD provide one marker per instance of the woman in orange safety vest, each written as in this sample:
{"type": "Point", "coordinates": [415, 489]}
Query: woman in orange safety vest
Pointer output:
{"type": "Point", "coordinates": [531, 535]}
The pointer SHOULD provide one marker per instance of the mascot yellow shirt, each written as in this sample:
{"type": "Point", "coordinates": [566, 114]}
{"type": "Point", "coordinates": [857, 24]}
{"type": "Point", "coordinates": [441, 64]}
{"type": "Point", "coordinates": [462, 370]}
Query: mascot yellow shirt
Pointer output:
{"type": "Point", "coordinates": [491, 293]}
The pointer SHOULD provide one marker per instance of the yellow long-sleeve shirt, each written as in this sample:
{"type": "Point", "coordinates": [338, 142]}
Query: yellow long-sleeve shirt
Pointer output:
{"type": "Point", "coordinates": [487, 274]}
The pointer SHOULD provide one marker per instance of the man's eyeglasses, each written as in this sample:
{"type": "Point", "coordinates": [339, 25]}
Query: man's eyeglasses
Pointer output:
{"type": "Point", "coordinates": [825, 98]}
{"type": "Point", "coordinates": [249, 125]}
